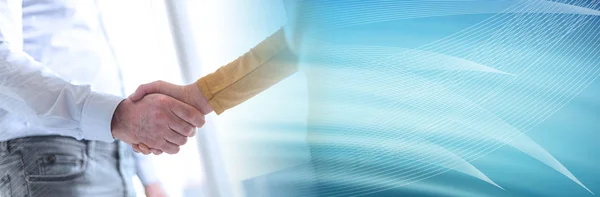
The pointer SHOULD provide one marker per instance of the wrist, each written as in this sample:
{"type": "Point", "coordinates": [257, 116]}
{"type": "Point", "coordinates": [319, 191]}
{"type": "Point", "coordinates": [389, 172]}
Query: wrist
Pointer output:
{"type": "Point", "coordinates": [200, 101]}
{"type": "Point", "coordinates": [115, 124]}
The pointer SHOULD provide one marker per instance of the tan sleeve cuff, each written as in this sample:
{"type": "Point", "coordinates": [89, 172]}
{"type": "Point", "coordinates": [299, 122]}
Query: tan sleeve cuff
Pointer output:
{"type": "Point", "coordinates": [208, 95]}
{"type": "Point", "coordinates": [263, 66]}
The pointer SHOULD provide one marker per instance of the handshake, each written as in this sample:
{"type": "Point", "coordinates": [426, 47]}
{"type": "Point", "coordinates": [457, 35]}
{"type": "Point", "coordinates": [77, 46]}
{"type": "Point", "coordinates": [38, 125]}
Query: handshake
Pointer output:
{"type": "Point", "coordinates": [159, 117]}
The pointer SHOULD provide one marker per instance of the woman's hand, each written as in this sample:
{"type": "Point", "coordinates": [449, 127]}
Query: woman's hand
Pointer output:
{"type": "Point", "coordinates": [155, 190]}
{"type": "Point", "coordinates": [189, 94]}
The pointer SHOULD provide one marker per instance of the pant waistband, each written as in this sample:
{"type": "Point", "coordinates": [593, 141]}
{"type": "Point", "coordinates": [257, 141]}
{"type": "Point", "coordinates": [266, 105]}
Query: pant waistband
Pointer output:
{"type": "Point", "coordinates": [7, 146]}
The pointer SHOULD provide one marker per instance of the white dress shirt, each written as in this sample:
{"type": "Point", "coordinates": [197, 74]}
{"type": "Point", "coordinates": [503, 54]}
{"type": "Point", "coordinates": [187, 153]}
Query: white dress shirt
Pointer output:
{"type": "Point", "coordinates": [58, 75]}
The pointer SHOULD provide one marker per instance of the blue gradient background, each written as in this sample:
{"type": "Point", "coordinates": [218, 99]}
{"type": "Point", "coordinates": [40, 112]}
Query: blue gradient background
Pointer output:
{"type": "Point", "coordinates": [441, 98]}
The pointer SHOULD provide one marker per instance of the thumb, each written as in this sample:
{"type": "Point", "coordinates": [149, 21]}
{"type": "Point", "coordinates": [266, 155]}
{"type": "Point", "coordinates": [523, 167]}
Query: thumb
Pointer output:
{"type": "Point", "coordinates": [142, 91]}
{"type": "Point", "coordinates": [149, 88]}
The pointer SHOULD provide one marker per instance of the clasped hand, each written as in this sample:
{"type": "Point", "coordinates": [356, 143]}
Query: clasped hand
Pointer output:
{"type": "Point", "coordinates": [160, 117]}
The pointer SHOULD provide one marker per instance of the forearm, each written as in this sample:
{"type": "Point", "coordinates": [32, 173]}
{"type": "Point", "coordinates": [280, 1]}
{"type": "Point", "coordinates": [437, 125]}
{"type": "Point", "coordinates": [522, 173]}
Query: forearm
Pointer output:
{"type": "Point", "coordinates": [263, 66]}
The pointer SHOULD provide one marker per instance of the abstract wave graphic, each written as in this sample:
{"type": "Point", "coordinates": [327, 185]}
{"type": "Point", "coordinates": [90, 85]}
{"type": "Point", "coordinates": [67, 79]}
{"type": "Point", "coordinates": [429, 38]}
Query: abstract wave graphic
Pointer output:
{"type": "Point", "coordinates": [403, 91]}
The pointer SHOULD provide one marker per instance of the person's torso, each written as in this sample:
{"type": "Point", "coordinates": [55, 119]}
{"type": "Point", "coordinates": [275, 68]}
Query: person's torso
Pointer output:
{"type": "Point", "coordinates": [68, 38]}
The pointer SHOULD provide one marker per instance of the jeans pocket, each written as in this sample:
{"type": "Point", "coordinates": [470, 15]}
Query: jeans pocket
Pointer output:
{"type": "Point", "coordinates": [59, 167]}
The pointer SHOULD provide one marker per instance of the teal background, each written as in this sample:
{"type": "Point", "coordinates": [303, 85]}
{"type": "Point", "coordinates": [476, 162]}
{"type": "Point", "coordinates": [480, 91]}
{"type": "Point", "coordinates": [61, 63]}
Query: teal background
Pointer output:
{"type": "Point", "coordinates": [443, 98]}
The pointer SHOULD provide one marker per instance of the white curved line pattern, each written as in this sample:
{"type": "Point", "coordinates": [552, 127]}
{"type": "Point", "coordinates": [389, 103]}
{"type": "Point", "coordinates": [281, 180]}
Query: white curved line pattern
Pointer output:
{"type": "Point", "coordinates": [530, 59]}
{"type": "Point", "coordinates": [413, 151]}
{"type": "Point", "coordinates": [330, 14]}
{"type": "Point", "coordinates": [438, 61]}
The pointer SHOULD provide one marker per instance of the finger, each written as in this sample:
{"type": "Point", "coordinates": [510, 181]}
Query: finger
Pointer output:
{"type": "Point", "coordinates": [183, 128]}
{"type": "Point", "coordinates": [144, 149]}
{"type": "Point", "coordinates": [156, 151]}
{"type": "Point", "coordinates": [135, 148]}
{"type": "Point", "coordinates": [145, 89]}
{"type": "Point", "coordinates": [140, 92]}
{"type": "Point", "coordinates": [160, 87]}
{"type": "Point", "coordinates": [143, 146]}
{"type": "Point", "coordinates": [176, 138]}
{"type": "Point", "coordinates": [180, 126]}
{"type": "Point", "coordinates": [169, 147]}
{"type": "Point", "coordinates": [188, 113]}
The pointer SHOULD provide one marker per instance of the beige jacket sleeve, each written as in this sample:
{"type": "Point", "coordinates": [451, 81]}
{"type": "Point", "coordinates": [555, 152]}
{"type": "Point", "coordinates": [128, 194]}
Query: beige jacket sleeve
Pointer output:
{"type": "Point", "coordinates": [263, 66]}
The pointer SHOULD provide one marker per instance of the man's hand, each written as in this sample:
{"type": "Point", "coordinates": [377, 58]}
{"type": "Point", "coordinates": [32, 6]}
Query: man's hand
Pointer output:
{"type": "Point", "coordinates": [189, 94]}
{"type": "Point", "coordinates": [159, 121]}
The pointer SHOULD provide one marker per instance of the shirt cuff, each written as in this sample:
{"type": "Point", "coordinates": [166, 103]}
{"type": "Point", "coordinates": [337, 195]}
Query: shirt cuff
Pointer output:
{"type": "Point", "coordinates": [202, 84]}
{"type": "Point", "coordinates": [97, 115]}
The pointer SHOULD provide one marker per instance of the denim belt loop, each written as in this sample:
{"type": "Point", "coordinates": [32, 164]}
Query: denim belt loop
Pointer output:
{"type": "Point", "coordinates": [3, 148]}
{"type": "Point", "coordinates": [90, 146]}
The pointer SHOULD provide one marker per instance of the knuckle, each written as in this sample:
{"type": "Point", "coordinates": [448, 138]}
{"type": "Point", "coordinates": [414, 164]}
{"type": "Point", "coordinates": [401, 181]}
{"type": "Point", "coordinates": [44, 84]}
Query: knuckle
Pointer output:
{"type": "Point", "coordinates": [154, 142]}
{"type": "Point", "coordinates": [144, 86]}
{"type": "Point", "coordinates": [162, 98]}
{"type": "Point", "coordinates": [141, 88]}
{"type": "Point", "coordinates": [157, 84]}
{"type": "Point", "coordinates": [189, 115]}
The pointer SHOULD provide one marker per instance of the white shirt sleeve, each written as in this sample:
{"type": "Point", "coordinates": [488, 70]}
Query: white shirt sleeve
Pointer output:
{"type": "Point", "coordinates": [146, 170]}
{"type": "Point", "coordinates": [29, 89]}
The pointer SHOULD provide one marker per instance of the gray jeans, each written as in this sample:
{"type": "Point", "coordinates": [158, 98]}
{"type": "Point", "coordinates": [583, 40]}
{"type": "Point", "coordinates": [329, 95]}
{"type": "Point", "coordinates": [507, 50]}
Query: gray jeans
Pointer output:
{"type": "Point", "coordinates": [64, 167]}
